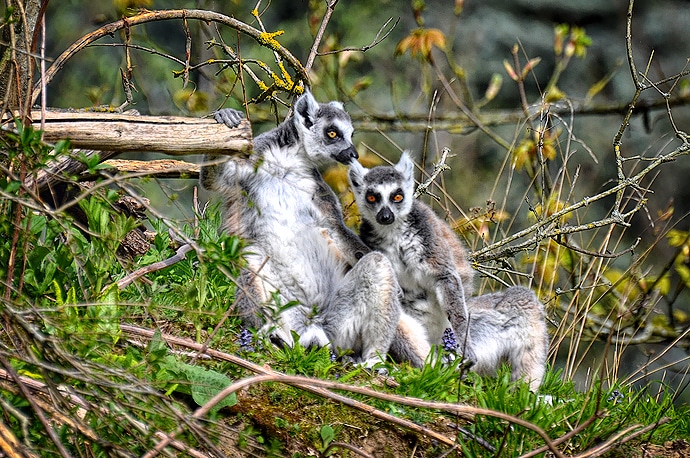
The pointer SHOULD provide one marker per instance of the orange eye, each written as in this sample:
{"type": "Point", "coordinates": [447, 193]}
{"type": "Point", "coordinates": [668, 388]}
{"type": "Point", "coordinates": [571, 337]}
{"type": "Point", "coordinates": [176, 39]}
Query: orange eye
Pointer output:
{"type": "Point", "coordinates": [398, 198]}
{"type": "Point", "coordinates": [371, 198]}
{"type": "Point", "coordinates": [332, 134]}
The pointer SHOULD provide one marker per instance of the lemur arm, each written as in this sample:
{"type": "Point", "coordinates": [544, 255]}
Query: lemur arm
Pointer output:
{"type": "Point", "coordinates": [348, 245]}
{"type": "Point", "coordinates": [218, 165]}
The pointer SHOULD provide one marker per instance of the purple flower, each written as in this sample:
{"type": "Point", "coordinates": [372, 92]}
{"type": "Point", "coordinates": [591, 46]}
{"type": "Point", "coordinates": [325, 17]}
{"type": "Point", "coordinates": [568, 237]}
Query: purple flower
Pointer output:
{"type": "Point", "coordinates": [246, 340]}
{"type": "Point", "coordinates": [449, 343]}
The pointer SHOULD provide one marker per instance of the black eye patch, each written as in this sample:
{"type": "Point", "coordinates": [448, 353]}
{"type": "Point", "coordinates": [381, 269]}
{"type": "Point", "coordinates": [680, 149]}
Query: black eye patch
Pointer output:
{"type": "Point", "coordinates": [332, 133]}
{"type": "Point", "coordinates": [372, 197]}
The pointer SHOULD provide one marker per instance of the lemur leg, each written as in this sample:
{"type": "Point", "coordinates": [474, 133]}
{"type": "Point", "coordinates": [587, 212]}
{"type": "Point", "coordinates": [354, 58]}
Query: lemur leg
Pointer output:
{"type": "Point", "coordinates": [254, 303]}
{"type": "Point", "coordinates": [365, 309]}
{"type": "Point", "coordinates": [411, 342]}
{"type": "Point", "coordinates": [510, 326]}
{"type": "Point", "coordinates": [531, 364]}
{"type": "Point", "coordinates": [451, 295]}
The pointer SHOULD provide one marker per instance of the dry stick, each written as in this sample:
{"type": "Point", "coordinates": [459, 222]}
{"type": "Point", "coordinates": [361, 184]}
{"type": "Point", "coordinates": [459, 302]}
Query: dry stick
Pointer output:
{"type": "Point", "coordinates": [37, 410]}
{"type": "Point", "coordinates": [626, 119]}
{"type": "Point", "coordinates": [320, 387]}
{"type": "Point", "coordinates": [346, 446]}
{"type": "Point", "coordinates": [80, 403]}
{"type": "Point", "coordinates": [439, 167]}
{"type": "Point", "coordinates": [618, 439]}
{"type": "Point", "coordinates": [177, 257]}
{"type": "Point", "coordinates": [149, 16]}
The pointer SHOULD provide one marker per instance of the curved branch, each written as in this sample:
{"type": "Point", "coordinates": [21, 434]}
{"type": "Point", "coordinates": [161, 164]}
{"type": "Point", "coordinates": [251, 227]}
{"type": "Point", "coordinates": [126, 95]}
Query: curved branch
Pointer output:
{"type": "Point", "coordinates": [151, 16]}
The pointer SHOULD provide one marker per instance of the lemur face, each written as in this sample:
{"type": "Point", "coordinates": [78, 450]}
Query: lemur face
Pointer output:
{"type": "Point", "coordinates": [383, 194]}
{"type": "Point", "coordinates": [325, 129]}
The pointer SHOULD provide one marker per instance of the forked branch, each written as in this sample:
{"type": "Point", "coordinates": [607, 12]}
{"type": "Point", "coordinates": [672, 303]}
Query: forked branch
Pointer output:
{"type": "Point", "coordinates": [262, 38]}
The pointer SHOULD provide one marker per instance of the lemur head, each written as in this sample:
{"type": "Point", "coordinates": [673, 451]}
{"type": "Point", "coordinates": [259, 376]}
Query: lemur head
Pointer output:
{"type": "Point", "coordinates": [384, 194]}
{"type": "Point", "coordinates": [325, 130]}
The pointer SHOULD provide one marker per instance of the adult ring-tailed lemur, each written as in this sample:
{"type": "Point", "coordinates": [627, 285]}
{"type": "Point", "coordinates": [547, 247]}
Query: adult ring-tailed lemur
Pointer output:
{"type": "Point", "coordinates": [437, 281]}
{"type": "Point", "coordinates": [300, 251]}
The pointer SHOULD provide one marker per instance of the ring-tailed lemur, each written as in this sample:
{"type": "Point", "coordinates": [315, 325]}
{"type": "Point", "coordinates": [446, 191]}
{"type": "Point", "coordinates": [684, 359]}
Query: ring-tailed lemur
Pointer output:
{"type": "Point", "coordinates": [437, 281]}
{"type": "Point", "coordinates": [300, 251]}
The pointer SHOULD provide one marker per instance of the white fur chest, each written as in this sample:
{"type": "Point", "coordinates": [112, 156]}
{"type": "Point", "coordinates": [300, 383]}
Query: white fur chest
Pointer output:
{"type": "Point", "coordinates": [282, 192]}
{"type": "Point", "coordinates": [405, 249]}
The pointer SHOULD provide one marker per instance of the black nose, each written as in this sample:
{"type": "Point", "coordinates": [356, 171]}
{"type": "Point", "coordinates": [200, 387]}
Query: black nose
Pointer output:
{"type": "Point", "coordinates": [352, 151]}
{"type": "Point", "coordinates": [385, 216]}
{"type": "Point", "coordinates": [347, 155]}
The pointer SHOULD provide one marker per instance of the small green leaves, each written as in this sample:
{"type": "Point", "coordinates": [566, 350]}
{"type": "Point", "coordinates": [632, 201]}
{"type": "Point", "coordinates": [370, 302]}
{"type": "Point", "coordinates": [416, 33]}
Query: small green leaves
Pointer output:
{"type": "Point", "coordinates": [327, 435]}
{"type": "Point", "coordinates": [570, 41]}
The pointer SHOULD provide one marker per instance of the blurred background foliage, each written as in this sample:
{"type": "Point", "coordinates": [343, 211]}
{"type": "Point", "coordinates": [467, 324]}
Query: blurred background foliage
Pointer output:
{"type": "Point", "coordinates": [500, 61]}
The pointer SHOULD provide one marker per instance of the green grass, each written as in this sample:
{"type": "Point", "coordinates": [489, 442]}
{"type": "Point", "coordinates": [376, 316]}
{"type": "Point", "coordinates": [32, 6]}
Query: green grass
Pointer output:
{"type": "Point", "coordinates": [62, 313]}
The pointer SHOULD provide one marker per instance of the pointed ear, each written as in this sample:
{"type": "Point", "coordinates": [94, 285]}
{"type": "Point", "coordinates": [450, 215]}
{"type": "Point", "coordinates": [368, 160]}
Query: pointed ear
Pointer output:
{"type": "Point", "coordinates": [356, 175]}
{"type": "Point", "coordinates": [305, 109]}
{"type": "Point", "coordinates": [337, 104]}
{"type": "Point", "coordinates": [406, 166]}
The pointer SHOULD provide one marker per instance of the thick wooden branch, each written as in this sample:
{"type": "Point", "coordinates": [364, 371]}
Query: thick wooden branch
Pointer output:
{"type": "Point", "coordinates": [125, 132]}
{"type": "Point", "coordinates": [160, 168]}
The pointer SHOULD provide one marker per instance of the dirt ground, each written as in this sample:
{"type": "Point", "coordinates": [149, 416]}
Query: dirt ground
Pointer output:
{"type": "Point", "coordinates": [674, 449]}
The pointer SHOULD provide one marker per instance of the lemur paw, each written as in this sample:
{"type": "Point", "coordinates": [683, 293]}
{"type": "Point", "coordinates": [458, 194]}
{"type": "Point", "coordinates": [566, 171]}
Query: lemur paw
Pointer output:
{"type": "Point", "coordinates": [229, 116]}
{"type": "Point", "coordinates": [314, 336]}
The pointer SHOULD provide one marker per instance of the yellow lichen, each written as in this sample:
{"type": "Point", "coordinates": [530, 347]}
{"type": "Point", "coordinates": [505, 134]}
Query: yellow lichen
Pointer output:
{"type": "Point", "coordinates": [268, 39]}
{"type": "Point", "coordinates": [286, 75]}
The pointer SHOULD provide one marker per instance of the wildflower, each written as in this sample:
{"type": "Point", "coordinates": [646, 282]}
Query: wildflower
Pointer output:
{"type": "Point", "coordinates": [450, 345]}
{"type": "Point", "coordinates": [246, 340]}
{"type": "Point", "coordinates": [616, 397]}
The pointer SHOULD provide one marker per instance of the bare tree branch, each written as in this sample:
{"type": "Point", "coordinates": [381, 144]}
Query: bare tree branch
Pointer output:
{"type": "Point", "coordinates": [262, 38]}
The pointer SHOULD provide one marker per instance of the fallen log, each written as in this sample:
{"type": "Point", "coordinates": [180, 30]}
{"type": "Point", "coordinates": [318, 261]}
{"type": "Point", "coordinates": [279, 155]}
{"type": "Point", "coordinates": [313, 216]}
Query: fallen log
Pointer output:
{"type": "Point", "coordinates": [118, 133]}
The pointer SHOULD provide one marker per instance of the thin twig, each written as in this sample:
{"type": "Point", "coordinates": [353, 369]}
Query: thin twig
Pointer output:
{"type": "Point", "coordinates": [330, 6]}
{"type": "Point", "coordinates": [439, 167]}
{"type": "Point", "coordinates": [350, 447]}
{"type": "Point", "coordinates": [377, 39]}
{"type": "Point", "coordinates": [621, 438]}
{"type": "Point", "coordinates": [151, 16]}
{"type": "Point", "coordinates": [179, 255]}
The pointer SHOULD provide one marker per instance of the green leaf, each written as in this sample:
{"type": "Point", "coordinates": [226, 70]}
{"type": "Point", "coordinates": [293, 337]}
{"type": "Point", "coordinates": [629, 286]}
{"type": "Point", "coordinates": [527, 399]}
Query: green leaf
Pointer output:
{"type": "Point", "coordinates": [677, 238]}
{"type": "Point", "coordinates": [13, 186]}
{"type": "Point", "coordinates": [157, 345]}
{"type": "Point", "coordinates": [327, 434]}
{"type": "Point", "coordinates": [205, 384]}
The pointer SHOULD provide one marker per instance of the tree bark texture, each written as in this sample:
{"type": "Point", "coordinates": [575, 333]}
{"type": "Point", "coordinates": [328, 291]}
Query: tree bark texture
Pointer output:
{"type": "Point", "coordinates": [126, 132]}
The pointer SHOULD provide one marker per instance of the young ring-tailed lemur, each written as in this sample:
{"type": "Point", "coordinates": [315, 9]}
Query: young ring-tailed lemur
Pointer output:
{"type": "Point", "coordinates": [300, 250]}
{"type": "Point", "coordinates": [437, 282]}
